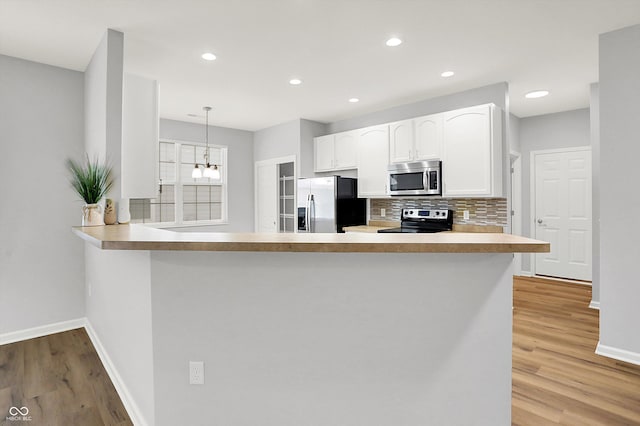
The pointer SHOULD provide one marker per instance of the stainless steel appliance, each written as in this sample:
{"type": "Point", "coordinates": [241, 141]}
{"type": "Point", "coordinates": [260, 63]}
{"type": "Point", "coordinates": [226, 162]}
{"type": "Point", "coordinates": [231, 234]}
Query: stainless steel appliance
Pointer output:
{"type": "Point", "coordinates": [418, 178]}
{"type": "Point", "coordinates": [328, 204]}
{"type": "Point", "coordinates": [423, 221]}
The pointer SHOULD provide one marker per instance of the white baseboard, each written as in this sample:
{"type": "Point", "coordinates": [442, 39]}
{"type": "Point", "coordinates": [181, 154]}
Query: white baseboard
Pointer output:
{"type": "Point", "coordinates": [31, 333]}
{"type": "Point", "coordinates": [526, 274]}
{"type": "Point", "coordinates": [619, 354]}
{"type": "Point", "coordinates": [128, 401]}
{"type": "Point", "coordinates": [43, 330]}
{"type": "Point", "coordinates": [594, 305]}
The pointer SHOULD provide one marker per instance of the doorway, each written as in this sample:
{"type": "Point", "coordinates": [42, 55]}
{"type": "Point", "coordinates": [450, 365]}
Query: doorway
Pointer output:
{"type": "Point", "coordinates": [516, 205]}
{"type": "Point", "coordinates": [561, 211]}
{"type": "Point", "coordinates": [275, 192]}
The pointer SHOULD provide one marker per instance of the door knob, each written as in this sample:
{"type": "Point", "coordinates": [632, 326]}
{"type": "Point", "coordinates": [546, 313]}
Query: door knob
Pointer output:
{"type": "Point", "coordinates": [539, 220]}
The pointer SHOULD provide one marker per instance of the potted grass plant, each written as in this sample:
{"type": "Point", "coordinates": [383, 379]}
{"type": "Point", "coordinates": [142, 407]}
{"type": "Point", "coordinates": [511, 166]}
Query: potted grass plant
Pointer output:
{"type": "Point", "coordinates": [91, 180]}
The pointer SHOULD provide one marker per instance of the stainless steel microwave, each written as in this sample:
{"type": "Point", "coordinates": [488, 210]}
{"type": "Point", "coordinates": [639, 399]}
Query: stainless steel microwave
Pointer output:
{"type": "Point", "coordinates": [418, 178]}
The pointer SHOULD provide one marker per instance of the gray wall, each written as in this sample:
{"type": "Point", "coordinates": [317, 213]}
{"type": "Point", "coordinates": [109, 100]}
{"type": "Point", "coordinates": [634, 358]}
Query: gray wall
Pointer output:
{"type": "Point", "coordinates": [103, 101]}
{"type": "Point", "coordinates": [619, 177]}
{"type": "Point", "coordinates": [550, 131]}
{"type": "Point", "coordinates": [277, 141]}
{"type": "Point", "coordinates": [308, 130]}
{"type": "Point", "coordinates": [336, 340]}
{"type": "Point", "coordinates": [240, 169]}
{"type": "Point", "coordinates": [495, 93]}
{"type": "Point", "coordinates": [41, 261]}
{"type": "Point", "coordinates": [595, 195]}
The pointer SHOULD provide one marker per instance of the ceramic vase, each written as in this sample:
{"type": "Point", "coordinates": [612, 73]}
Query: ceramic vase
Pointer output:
{"type": "Point", "coordinates": [92, 215]}
{"type": "Point", "coordinates": [110, 216]}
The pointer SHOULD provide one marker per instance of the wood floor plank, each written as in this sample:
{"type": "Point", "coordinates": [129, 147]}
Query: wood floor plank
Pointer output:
{"type": "Point", "coordinates": [557, 377]}
{"type": "Point", "coordinates": [61, 380]}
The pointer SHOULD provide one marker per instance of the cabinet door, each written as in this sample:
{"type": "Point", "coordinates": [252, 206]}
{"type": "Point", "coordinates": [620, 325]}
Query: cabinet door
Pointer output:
{"type": "Point", "coordinates": [323, 153]}
{"type": "Point", "coordinates": [401, 135]}
{"type": "Point", "coordinates": [467, 164]}
{"type": "Point", "coordinates": [373, 161]}
{"type": "Point", "coordinates": [346, 150]}
{"type": "Point", "coordinates": [139, 158]}
{"type": "Point", "coordinates": [428, 139]}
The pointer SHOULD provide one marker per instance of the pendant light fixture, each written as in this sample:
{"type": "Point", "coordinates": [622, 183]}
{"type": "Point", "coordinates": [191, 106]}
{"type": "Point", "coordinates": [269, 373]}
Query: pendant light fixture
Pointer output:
{"type": "Point", "coordinates": [210, 170]}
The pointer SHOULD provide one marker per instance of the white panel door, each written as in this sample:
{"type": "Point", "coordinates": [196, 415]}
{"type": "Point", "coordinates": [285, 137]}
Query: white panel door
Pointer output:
{"type": "Point", "coordinates": [267, 196]}
{"type": "Point", "coordinates": [563, 213]}
{"type": "Point", "coordinates": [428, 139]}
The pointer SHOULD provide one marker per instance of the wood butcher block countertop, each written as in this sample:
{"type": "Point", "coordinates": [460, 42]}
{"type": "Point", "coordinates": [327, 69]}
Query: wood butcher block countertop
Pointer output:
{"type": "Point", "coordinates": [140, 237]}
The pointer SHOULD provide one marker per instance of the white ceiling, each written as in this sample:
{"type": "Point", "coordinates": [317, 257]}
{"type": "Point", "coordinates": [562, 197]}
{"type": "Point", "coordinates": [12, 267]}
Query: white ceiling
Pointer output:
{"type": "Point", "coordinates": [335, 46]}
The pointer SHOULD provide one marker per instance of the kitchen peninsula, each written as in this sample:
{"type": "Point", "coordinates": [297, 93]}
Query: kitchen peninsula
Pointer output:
{"type": "Point", "coordinates": [314, 329]}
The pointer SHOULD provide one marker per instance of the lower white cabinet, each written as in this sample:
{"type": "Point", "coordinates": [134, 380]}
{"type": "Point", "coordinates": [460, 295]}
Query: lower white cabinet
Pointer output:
{"type": "Point", "coordinates": [373, 161]}
{"type": "Point", "coordinates": [472, 160]}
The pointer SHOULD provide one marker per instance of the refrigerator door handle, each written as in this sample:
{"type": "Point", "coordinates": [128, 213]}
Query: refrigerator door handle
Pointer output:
{"type": "Point", "coordinates": [311, 211]}
{"type": "Point", "coordinates": [307, 224]}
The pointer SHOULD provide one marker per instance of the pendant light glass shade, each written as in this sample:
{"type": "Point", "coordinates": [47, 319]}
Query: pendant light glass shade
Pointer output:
{"type": "Point", "coordinates": [210, 171]}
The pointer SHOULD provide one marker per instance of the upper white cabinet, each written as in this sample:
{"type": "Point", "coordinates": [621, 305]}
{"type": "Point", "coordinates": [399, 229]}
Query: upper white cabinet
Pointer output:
{"type": "Point", "coordinates": [373, 161]}
{"type": "Point", "coordinates": [401, 141]}
{"type": "Point", "coordinates": [336, 152]}
{"type": "Point", "coordinates": [324, 152]}
{"type": "Point", "coordinates": [139, 158]}
{"type": "Point", "coordinates": [418, 139]}
{"type": "Point", "coordinates": [472, 157]}
{"type": "Point", "coordinates": [428, 137]}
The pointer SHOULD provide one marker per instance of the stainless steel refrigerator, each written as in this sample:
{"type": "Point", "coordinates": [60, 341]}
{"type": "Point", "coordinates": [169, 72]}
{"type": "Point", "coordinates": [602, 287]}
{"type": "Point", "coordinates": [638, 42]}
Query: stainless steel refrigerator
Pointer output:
{"type": "Point", "coordinates": [328, 204]}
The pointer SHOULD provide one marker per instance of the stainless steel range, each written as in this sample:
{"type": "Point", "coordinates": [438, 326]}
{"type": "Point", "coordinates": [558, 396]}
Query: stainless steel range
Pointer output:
{"type": "Point", "coordinates": [423, 221]}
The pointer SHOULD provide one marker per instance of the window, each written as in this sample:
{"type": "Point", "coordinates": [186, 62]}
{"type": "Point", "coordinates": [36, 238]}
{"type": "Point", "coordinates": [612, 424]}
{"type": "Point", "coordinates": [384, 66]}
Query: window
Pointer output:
{"type": "Point", "coordinates": [181, 199]}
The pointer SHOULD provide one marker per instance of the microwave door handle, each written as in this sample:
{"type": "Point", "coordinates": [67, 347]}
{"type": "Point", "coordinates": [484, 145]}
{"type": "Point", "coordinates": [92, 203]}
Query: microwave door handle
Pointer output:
{"type": "Point", "coordinates": [425, 180]}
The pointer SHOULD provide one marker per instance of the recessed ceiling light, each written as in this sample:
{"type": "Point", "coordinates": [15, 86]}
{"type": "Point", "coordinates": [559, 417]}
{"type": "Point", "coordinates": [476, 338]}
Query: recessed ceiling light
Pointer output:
{"type": "Point", "coordinates": [192, 115]}
{"type": "Point", "coordinates": [536, 94]}
{"type": "Point", "coordinates": [208, 56]}
{"type": "Point", "coordinates": [354, 100]}
{"type": "Point", "coordinates": [295, 81]}
{"type": "Point", "coordinates": [447, 74]}
{"type": "Point", "coordinates": [393, 42]}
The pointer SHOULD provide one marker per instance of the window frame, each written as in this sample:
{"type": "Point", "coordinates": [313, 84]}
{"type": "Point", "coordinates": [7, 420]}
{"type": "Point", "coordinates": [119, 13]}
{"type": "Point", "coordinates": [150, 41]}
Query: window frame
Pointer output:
{"type": "Point", "coordinates": [179, 184]}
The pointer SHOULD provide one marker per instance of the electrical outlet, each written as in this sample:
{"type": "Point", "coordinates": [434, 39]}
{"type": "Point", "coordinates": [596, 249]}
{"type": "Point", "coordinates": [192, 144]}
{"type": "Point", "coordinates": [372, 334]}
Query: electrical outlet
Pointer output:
{"type": "Point", "coordinates": [383, 212]}
{"type": "Point", "coordinates": [465, 214]}
{"type": "Point", "coordinates": [196, 373]}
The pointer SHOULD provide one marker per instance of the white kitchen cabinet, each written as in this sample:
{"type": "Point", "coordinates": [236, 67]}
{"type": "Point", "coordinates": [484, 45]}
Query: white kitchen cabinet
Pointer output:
{"type": "Point", "coordinates": [472, 160]}
{"type": "Point", "coordinates": [139, 157]}
{"type": "Point", "coordinates": [401, 140]}
{"type": "Point", "coordinates": [336, 152]}
{"type": "Point", "coordinates": [428, 137]}
{"type": "Point", "coordinates": [418, 139]}
{"type": "Point", "coordinates": [373, 161]}
{"type": "Point", "coordinates": [346, 150]}
{"type": "Point", "coordinates": [323, 153]}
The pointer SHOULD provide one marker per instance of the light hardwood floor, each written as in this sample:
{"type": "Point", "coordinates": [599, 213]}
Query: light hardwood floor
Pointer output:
{"type": "Point", "coordinates": [557, 377]}
{"type": "Point", "coordinates": [61, 381]}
